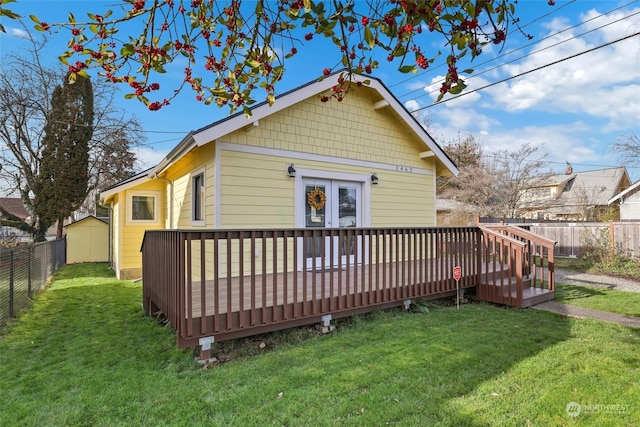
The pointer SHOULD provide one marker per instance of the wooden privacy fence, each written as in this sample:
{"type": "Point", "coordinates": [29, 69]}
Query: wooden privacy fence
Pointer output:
{"type": "Point", "coordinates": [573, 239]}
{"type": "Point", "coordinates": [224, 284]}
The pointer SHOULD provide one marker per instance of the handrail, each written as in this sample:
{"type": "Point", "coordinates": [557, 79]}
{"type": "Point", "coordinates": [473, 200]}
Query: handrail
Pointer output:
{"type": "Point", "coordinates": [234, 283]}
{"type": "Point", "coordinates": [523, 232]}
{"type": "Point", "coordinates": [502, 236]}
{"type": "Point", "coordinates": [501, 251]}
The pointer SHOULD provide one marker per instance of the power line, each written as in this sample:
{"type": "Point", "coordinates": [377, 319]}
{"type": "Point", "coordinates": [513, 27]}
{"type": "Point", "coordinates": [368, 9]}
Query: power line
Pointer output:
{"type": "Point", "coordinates": [442, 64]}
{"type": "Point", "coordinates": [495, 156]}
{"type": "Point", "coordinates": [529, 71]}
{"type": "Point", "coordinates": [531, 44]}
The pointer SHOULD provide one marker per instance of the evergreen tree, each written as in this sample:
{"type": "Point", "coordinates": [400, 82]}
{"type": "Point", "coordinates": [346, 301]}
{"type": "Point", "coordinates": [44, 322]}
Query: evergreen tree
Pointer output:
{"type": "Point", "coordinates": [64, 176]}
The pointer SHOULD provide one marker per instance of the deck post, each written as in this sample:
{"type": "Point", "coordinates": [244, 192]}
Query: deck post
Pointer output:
{"type": "Point", "coordinates": [205, 347]}
{"type": "Point", "coordinates": [326, 324]}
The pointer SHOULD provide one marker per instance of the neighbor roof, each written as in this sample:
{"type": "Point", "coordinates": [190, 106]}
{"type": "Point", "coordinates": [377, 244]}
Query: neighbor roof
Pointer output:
{"type": "Point", "coordinates": [14, 206]}
{"type": "Point", "coordinates": [597, 185]}
{"type": "Point", "coordinates": [624, 193]}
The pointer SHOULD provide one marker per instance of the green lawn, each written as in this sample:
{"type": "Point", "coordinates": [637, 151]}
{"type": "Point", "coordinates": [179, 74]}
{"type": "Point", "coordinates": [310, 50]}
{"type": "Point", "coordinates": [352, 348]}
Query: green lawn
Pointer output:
{"type": "Point", "coordinates": [599, 298]}
{"type": "Point", "coordinates": [85, 354]}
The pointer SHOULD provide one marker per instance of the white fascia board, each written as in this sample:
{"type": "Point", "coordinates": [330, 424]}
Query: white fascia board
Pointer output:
{"type": "Point", "coordinates": [623, 193]}
{"type": "Point", "coordinates": [214, 132]}
{"type": "Point", "coordinates": [183, 147]}
{"type": "Point", "coordinates": [219, 129]}
{"type": "Point", "coordinates": [414, 125]}
{"type": "Point", "coordinates": [105, 195]}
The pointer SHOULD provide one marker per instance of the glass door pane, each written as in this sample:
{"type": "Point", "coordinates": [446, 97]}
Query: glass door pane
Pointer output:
{"type": "Point", "coordinates": [317, 215]}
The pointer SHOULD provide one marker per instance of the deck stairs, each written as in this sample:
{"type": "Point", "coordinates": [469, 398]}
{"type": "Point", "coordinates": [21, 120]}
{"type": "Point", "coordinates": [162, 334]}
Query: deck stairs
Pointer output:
{"type": "Point", "coordinates": [502, 289]}
{"type": "Point", "coordinates": [517, 267]}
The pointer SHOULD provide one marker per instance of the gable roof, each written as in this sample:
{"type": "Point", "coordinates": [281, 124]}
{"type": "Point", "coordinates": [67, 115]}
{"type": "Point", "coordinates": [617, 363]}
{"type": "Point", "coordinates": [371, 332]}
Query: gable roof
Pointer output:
{"type": "Point", "coordinates": [230, 124]}
{"type": "Point", "coordinates": [599, 185]}
{"type": "Point", "coordinates": [87, 218]}
{"type": "Point", "coordinates": [621, 194]}
{"type": "Point", "coordinates": [132, 181]}
{"type": "Point", "coordinates": [596, 186]}
{"type": "Point", "coordinates": [14, 206]}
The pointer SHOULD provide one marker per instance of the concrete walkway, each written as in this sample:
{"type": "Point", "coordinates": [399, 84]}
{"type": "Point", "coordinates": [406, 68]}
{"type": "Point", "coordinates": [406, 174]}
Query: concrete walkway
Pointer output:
{"type": "Point", "coordinates": [582, 313]}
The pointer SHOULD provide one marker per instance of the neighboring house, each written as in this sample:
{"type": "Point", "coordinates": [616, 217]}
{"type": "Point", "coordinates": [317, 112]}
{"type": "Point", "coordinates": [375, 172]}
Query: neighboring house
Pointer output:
{"type": "Point", "coordinates": [14, 206]}
{"type": "Point", "coordinates": [362, 162]}
{"type": "Point", "coordinates": [628, 202]}
{"type": "Point", "coordinates": [87, 240]}
{"type": "Point", "coordinates": [574, 196]}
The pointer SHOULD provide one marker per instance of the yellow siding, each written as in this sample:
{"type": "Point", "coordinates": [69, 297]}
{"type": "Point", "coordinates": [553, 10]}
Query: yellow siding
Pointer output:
{"type": "Point", "coordinates": [255, 191]}
{"type": "Point", "coordinates": [403, 199]}
{"type": "Point", "coordinates": [180, 174]}
{"type": "Point", "coordinates": [350, 129]}
{"type": "Point", "coordinates": [88, 241]}
{"type": "Point", "coordinates": [132, 234]}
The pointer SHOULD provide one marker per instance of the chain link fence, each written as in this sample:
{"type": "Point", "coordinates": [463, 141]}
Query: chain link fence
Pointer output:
{"type": "Point", "coordinates": [24, 270]}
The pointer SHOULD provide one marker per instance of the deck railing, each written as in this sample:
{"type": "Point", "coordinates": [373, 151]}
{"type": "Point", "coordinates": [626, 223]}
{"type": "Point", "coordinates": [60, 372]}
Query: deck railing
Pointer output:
{"type": "Point", "coordinates": [224, 284]}
{"type": "Point", "coordinates": [527, 261]}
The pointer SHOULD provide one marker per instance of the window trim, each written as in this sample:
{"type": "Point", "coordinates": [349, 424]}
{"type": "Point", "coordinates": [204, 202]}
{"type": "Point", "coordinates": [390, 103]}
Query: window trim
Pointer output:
{"type": "Point", "coordinates": [156, 203]}
{"type": "Point", "coordinates": [203, 198]}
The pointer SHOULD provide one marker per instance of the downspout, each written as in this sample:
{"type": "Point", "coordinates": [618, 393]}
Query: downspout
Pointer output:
{"type": "Point", "coordinates": [168, 181]}
{"type": "Point", "coordinates": [111, 231]}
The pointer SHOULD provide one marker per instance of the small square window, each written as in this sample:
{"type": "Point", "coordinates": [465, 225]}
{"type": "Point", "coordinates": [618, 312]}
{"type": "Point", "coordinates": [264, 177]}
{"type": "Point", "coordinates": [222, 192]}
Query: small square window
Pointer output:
{"type": "Point", "coordinates": [142, 207]}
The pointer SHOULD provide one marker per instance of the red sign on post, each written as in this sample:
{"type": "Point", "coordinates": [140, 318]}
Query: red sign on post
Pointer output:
{"type": "Point", "coordinates": [457, 272]}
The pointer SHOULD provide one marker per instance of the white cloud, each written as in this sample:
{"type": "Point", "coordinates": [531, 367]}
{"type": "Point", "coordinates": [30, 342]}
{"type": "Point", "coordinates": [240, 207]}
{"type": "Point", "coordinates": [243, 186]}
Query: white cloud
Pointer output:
{"type": "Point", "coordinates": [411, 105]}
{"type": "Point", "coordinates": [148, 157]}
{"type": "Point", "coordinates": [18, 32]}
{"type": "Point", "coordinates": [602, 83]}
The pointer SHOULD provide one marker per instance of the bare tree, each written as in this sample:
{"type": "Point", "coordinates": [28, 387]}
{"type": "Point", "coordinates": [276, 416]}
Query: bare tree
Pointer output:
{"type": "Point", "coordinates": [515, 172]}
{"type": "Point", "coordinates": [628, 149]}
{"type": "Point", "coordinates": [473, 186]}
{"type": "Point", "coordinates": [26, 85]}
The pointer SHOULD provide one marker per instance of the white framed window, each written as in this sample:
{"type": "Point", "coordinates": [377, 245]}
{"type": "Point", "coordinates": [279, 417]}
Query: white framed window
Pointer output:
{"type": "Point", "coordinates": [198, 198]}
{"type": "Point", "coordinates": [142, 207]}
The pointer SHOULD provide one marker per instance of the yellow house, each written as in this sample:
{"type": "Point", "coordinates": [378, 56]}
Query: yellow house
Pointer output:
{"type": "Point", "coordinates": [301, 163]}
{"type": "Point", "coordinates": [87, 240]}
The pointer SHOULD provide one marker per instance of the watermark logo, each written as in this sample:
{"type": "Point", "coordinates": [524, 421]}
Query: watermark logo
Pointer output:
{"type": "Point", "coordinates": [573, 409]}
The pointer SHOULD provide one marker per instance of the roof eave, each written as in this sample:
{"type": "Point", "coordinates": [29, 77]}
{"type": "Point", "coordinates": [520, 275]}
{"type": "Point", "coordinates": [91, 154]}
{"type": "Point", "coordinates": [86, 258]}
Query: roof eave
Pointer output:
{"type": "Point", "coordinates": [219, 129]}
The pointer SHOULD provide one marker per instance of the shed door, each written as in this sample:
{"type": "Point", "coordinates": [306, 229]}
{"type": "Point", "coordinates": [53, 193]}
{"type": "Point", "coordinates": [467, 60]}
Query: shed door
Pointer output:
{"type": "Point", "coordinates": [331, 204]}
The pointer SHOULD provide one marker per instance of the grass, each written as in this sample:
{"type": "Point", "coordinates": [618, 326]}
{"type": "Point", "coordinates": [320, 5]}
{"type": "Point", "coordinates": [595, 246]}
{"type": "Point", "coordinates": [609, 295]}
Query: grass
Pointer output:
{"type": "Point", "coordinates": [85, 354]}
{"type": "Point", "coordinates": [619, 266]}
{"type": "Point", "coordinates": [599, 299]}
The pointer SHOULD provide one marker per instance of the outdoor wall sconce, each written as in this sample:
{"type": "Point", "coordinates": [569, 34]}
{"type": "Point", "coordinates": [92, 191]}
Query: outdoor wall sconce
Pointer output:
{"type": "Point", "coordinates": [291, 171]}
{"type": "Point", "coordinates": [374, 179]}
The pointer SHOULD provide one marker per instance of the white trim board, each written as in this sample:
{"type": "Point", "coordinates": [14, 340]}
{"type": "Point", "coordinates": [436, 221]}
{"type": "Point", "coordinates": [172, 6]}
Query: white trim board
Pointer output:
{"type": "Point", "coordinates": [317, 158]}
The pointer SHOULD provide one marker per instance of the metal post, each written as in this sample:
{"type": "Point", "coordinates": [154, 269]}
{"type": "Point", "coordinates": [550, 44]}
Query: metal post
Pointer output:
{"type": "Point", "coordinates": [29, 262]}
{"type": "Point", "coordinates": [11, 284]}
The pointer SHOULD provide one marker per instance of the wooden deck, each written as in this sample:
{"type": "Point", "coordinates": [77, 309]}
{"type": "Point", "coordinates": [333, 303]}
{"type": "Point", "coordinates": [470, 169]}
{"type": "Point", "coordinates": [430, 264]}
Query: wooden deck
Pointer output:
{"type": "Point", "coordinates": [332, 289]}
{"type": "Point", "coordinates": [395, 267]}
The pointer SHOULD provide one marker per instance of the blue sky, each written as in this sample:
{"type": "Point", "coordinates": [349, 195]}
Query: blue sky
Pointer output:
{"type": "Point", "coordinates": [576, 108]}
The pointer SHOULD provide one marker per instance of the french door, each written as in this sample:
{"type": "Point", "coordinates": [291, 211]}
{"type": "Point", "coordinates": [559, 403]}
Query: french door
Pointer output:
{"type": "Point", "coordinates": [331, 204]}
